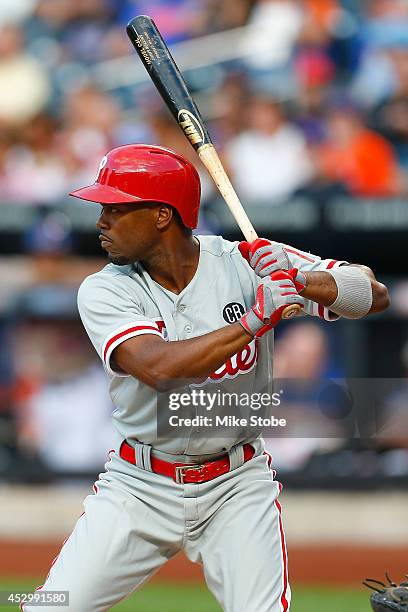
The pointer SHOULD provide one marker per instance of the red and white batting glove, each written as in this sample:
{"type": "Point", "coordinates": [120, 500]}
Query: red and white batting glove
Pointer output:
{"type": "Point", "coordinates": [266, 257]}
{"type": "Point", "coordinates": [273, 295]}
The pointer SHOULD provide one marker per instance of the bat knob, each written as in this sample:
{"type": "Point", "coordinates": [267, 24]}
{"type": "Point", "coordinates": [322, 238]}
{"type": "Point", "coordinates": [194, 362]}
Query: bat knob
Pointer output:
{"type": "Point", "coordinates": [291, 311]}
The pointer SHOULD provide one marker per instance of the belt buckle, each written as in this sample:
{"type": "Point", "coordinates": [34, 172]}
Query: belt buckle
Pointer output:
{"type": "Point", "coordinates": [181, 469]}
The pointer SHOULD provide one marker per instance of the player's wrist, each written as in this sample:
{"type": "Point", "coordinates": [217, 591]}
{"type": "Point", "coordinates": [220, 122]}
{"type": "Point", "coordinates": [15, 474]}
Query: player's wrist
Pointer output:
{"type": "Point", "coordinates": [251, 323]}
{"type": "Point", "coordinates": [300, 281]}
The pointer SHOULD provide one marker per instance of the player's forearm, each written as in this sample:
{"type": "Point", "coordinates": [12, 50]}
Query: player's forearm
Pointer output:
{"type": "Point", "coordinates": [322, 289]}
{"type": "Point", "coordinates": [200, 357]}
{"type": "Point", "coordinates": [168, 363]}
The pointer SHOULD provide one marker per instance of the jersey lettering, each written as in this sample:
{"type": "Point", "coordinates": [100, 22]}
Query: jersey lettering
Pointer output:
{"type": "Point", "coordinates": [240, 363]}
{"type": "Point", "coordinates": [162, 328]}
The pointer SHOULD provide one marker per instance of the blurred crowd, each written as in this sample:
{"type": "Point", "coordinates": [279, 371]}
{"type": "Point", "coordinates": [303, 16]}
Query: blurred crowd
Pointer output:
{"type": "Point", "coordinates": [314, 103]}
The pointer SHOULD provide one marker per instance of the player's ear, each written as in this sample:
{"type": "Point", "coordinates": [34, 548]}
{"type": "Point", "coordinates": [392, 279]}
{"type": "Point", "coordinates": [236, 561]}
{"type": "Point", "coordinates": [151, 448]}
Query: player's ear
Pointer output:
{"type": "Point", "coordinates": [164, 215]}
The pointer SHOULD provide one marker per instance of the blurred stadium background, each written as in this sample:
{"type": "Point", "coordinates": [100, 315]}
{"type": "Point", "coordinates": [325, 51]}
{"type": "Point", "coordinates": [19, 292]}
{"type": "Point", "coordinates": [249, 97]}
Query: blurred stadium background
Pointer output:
{"type": "Point", "coordinates": [307, 102]}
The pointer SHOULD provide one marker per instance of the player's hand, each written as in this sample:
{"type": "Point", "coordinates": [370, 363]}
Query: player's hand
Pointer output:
{"type": "Point", "coordinates": [273, 295]}
{"type": "Point", "coordinates": [266, 257]}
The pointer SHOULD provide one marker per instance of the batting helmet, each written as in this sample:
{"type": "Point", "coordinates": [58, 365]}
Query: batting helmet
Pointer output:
{"type": "Point", "coordinates": [144, 173]}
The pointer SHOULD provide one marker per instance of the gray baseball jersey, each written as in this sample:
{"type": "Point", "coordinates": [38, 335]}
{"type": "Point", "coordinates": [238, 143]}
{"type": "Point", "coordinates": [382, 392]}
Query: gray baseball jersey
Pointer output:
{"type": "Point", "coordinates": [139, 519]}
{"type": "Point", "coordinates": [121, 302]}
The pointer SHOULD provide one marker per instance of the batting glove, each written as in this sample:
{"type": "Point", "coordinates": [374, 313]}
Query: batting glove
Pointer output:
{"type": "Point", "coordinates": [266, 257]}
{"type": "Point", "coordinates": [273, 295]}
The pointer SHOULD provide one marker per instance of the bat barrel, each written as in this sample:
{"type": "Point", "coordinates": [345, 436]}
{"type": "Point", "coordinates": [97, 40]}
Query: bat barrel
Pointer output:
{"type": "Point", "coordinates": [167, 78]}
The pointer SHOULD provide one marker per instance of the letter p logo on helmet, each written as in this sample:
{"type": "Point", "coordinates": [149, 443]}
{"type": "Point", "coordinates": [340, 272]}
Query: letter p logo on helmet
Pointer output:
{"type": "Point", "coordinates": [103, 163]}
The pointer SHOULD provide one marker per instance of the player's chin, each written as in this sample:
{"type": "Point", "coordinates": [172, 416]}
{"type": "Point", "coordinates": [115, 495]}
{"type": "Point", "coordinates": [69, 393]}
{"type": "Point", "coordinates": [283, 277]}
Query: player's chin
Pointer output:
{"type": "Point", "coordinates": [116, 258]}
{"type": "Point", "coordinates": [119, 260]}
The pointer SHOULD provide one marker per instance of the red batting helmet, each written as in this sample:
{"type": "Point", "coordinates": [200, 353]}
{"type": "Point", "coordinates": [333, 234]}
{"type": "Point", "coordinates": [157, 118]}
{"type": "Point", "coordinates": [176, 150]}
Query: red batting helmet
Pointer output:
{"type": "Point", "coordinates": [144, 173]}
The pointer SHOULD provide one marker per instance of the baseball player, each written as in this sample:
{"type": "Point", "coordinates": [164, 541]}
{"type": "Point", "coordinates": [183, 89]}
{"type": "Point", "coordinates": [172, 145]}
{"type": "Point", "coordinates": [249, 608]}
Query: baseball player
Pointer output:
{"type": "Point", "coordinates": [174, 306]}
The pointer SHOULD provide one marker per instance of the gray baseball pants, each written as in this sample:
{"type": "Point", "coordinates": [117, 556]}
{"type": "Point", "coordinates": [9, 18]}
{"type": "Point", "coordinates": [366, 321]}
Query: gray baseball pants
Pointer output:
{"type": "Point", "coordinates": [137, 520]}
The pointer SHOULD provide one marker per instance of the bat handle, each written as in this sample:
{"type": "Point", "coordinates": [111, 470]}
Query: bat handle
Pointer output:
{"type": "Point", "coordinates": [291, 311]}
{"type": "Point", "coordinates": [212, 162]}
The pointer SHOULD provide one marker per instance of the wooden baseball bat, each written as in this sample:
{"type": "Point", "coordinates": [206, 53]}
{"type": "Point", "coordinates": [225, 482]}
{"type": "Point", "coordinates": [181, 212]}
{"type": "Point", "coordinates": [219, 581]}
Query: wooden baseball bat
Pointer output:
{"type": "Point", "coordinates": [169, 82]}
